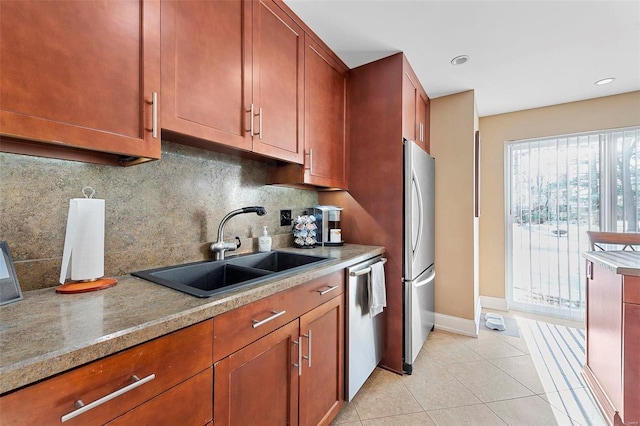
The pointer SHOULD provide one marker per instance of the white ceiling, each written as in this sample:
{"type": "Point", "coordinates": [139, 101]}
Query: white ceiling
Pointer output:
{"type": "Point", "coordinates": [524, 54]}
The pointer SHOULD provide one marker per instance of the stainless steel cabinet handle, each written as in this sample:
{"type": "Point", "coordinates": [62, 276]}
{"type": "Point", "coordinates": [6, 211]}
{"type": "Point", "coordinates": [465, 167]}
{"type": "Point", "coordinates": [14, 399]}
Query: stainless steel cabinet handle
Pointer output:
{"type": "Point", "coordinates": [308, 358]}
{"type": "Point", "coordinates": [260, 123]}
{"type": "Point", "coordinates": [84, 408]}
{"type": "Point", "coordinates": [299, 364]}
{"type": "Point", "coordinates": [310, 160]}
{"type": "Point", "coordinates": [308, 167]}
{"type": "Point", "coordinates": [421, 132]}
{"type": "Point", "coordinates": [323, 292]}
{"type": "Point", "coordinates": [275, 315]}
{"type": "Point", "coordinates": [154, 117]}
{"type": "Point", "coordinates": [250, 111]}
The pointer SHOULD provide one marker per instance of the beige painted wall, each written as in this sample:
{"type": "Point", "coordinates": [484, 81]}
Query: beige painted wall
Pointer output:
{"type": "Point", "coordinates": [452, 140]}
{"type": "Point", "coordinates": [594, 114]}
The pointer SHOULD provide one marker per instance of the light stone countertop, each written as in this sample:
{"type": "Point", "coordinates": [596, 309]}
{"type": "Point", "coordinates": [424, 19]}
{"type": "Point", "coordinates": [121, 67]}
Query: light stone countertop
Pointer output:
{"type": "Point", "coordinates": [618, 261]}
{"type": "Point", "coordinates": [47, 333]}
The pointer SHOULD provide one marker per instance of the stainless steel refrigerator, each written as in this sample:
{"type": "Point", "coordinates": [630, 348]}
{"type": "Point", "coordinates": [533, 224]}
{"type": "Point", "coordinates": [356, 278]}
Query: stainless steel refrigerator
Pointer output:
{"type": "Point", "coordinates": [419, 270]}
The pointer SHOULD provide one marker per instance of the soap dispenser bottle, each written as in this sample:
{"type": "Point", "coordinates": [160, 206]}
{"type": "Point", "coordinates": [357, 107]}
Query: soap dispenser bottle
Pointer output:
{"type": "Point", "coordinates": [264, 241]}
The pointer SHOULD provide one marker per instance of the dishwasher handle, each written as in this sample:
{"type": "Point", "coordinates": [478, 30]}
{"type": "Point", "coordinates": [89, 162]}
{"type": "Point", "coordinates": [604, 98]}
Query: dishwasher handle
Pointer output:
{"type": "Point", "coordinates": [365, 271]}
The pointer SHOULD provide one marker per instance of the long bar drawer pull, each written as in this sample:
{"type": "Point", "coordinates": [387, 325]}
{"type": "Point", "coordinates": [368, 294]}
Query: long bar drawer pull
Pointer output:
{"type": "Point", "coordinates": [275, 315]}
{"type": "Point", "coordinates": [84, 408]}
{"type": "Point", "coordinates": [365, 270]}
{"type": "Point", "coordinates": [323, 292]}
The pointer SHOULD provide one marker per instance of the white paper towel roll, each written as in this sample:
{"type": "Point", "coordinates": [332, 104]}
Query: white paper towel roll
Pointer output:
{"type": "Point", "coordinates": [83, 256]}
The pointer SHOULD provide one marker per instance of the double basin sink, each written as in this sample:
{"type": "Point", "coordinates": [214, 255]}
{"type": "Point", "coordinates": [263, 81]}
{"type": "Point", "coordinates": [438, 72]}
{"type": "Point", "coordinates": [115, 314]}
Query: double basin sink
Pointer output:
{"type": "Point", "coordinates": [213, 277]}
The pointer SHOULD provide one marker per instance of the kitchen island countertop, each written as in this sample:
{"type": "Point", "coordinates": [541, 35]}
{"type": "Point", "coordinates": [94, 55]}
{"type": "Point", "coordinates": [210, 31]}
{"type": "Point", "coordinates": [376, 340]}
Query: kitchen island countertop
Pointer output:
{"type": "Point", "coordinates": [618, 261]}
{"type": "Point", "coordinates": [47, 333]}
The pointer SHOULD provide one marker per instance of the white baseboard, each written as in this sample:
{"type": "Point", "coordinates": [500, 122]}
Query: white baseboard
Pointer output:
{"type": "Point", "coordinates": [497, 303]}
{"type": "Point", "coordinates": [457, 325]}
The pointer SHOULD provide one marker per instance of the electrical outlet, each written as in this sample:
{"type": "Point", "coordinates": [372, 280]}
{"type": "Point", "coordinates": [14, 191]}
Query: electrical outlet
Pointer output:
{"type": "Point", "coordinates": [285, 217]}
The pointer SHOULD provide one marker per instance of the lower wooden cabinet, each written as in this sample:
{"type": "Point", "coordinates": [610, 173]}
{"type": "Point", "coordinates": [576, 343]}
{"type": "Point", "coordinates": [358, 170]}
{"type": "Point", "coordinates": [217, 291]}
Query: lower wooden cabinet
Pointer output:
{"type": "Point", "coordinates": [258, 384]}
{"type": "Point", "coordinates": [278, 361]}
{"type": "Point", "coordinates": [292, 375]}
{"type": "Point", "coordinates": [114, 385]}
{"type": "Point", "coordinates": [612, 369]}
{"type": "Point", "coordinates": [322, 378]}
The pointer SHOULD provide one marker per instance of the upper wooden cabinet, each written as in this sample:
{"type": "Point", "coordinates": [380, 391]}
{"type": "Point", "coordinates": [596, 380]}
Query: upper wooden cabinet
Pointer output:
{"type": "Point", "coordinates": [79, 79]}
{"type": "Point", "coordinates": [325, 118]}
{"type": "Point", "coordinates": [204, 85]}
{"type": "Point", "coordinates": [325, 121]}
{"type": "Point", "coordinates": [232, 74]}
{"type": "Point", "coordinates": [415, 108]}
{"type": "Point", "coordinates": [278, 78]}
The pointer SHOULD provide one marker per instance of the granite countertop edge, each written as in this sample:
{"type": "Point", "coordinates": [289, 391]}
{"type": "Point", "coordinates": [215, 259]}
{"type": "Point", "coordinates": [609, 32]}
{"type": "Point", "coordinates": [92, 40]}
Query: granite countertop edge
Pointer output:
{"type": "Point", "coordinates": [181, 310]}
{"type": "Point", "coordinates": [619, 261]}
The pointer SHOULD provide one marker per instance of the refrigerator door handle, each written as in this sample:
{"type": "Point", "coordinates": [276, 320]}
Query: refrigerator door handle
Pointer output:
{"type": "Point", "coordinates": [420, 207]}
{"type": "Point", "coordinates": [431, 277]}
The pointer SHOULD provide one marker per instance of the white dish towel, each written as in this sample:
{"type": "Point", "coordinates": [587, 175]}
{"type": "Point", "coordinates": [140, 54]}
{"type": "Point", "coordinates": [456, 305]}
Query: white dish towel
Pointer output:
{"type": "Point", "coordinates": [377, 289]}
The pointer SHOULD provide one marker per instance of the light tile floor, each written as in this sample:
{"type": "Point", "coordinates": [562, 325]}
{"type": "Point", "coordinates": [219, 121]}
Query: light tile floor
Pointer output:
{"type": "Point", "coordinates": [496, 379]}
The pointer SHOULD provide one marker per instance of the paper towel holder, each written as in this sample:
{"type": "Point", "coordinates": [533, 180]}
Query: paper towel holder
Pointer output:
{"type": "Point", "coordinates": [82, 286]}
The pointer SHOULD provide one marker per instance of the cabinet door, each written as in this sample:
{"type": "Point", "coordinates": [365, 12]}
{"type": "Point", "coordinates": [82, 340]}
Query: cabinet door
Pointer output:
{"type": "Point", "coordinates": [422, 119]}
{"type": "Point", "coordinates": [81, 74]}
{"type": "Point", "coordinates": [604, 331]}
{"type": "Point", "coordinates": [259, 383]}
{"type": "Point", "coordinates": [206, 76]}
{"type": "Point", "coordinates": [630, 411]}
{"type": "Point", "coordinates": [409, 97]}
{"type": "Point", "coordinates": [278, 75]}
{"type": "Point", "coordinates": [325, 113]}
{"type": "Point", "coordinates": [322, 380]}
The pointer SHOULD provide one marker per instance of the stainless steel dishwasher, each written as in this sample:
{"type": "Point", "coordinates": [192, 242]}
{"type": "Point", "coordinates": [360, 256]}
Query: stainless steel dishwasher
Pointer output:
{"type": "Point", "coordinates": [364, 335]}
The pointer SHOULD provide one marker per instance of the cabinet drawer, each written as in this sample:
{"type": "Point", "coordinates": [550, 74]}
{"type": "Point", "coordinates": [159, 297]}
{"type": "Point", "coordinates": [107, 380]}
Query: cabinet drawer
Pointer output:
{"type": "Point", "coordinates": [159, 364]}
{"type": "Point", "coordinates": [239, 327]}
{"type": "Point", "coordinates": [191, 403]}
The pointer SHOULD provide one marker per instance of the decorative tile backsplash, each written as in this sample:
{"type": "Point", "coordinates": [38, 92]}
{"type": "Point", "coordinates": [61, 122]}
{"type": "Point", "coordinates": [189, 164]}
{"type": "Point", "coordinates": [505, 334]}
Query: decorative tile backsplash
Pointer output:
{"type": "Point", "coordinates": [157, 213]}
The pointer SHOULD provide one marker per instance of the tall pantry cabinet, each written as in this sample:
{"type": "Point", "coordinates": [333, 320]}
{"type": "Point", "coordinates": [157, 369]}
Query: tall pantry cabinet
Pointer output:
{"type": "Point", "coordinates": [382, 109]}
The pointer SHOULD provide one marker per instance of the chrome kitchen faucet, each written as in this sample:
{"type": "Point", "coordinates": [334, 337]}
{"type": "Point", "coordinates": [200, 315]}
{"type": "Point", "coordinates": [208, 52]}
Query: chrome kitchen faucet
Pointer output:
{"type": "Point", "coordinates": [219, 247]}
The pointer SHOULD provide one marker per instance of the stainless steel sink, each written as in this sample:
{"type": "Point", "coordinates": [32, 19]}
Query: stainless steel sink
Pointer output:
{"type": "Point", "coordinates": [212, 277]}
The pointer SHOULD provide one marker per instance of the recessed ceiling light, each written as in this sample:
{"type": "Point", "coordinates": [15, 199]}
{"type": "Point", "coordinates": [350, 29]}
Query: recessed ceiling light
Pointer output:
{"type": "Point", "coordinates": [459, 60]}
{"type": "Point", "coordinates": [604, 81]}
